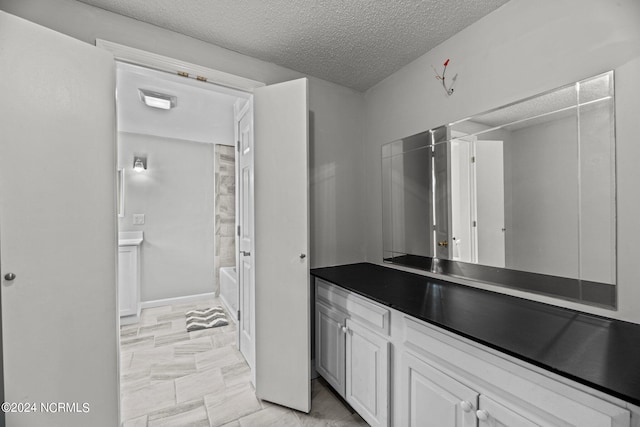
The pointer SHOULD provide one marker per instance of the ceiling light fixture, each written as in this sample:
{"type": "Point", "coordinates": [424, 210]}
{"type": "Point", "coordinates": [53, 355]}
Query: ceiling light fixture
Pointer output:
{"type": "Point", "coordinates": [157, 99]}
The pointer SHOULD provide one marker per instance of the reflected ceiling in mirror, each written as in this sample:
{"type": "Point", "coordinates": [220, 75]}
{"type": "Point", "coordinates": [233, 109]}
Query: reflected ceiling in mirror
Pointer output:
{"type": "Point", "coordinates": [521, 196]}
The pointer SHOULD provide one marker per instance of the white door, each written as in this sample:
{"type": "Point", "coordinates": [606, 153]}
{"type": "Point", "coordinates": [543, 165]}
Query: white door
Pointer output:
{"type": "Point", "coordinates": [367, 374]}
{"type": "Point", "coordinates": [489, 195]}
{"type": "Point", "coordinates": [330, 346]}
{"type": "Point", "coordinates": [281, 241]}
{"type": "Point", "coordinates": [246, 278]}
{"type": "Point", "coordinates": [58, 226]}
{"type": "Point", "coordinates": [431, 398]}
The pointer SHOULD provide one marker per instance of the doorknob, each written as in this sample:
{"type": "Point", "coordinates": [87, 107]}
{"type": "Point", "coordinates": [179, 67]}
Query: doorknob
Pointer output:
{"type": "Point", "coordinates": [9, 276]}
{"type": "Point", "coordinates": [303, 256]}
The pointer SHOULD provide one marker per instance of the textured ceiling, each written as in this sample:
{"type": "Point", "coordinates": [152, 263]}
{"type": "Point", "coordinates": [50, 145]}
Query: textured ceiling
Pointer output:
{"type": "Point", "coordinates": [355, 43]}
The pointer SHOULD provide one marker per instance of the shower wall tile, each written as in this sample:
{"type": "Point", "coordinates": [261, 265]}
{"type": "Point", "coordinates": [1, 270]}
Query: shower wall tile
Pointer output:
{"type": "Point", "coordinates": [224, 209]}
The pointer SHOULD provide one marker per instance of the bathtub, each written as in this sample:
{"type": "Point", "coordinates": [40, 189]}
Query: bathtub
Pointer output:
{"type": "Point", "coordinates": [229, 290]}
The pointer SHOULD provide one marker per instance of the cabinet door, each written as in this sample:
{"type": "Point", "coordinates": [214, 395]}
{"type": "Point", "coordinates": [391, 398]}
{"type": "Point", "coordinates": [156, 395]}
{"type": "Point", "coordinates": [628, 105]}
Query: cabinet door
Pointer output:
{"type": "Point", "coordinates": [128, 280]}
{"type": "Point", "coordinates": [431, 398]}
{"type": "Point", "coordinates": [330, 346]}
{"type": "Point", "coordinates": [493, 414]}
{"type": "Point", "coordinates": [367, 374]}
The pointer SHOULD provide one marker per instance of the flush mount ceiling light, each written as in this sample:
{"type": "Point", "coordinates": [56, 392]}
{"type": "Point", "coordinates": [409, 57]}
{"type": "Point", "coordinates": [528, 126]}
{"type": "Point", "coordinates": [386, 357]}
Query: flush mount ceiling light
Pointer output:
{"type": "Point", "coordinates": [157, 99]}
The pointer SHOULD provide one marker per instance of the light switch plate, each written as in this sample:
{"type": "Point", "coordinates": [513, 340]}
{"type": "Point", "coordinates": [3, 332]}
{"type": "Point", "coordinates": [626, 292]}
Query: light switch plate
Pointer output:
{"type": "Point", "coordinates": [138, 219]}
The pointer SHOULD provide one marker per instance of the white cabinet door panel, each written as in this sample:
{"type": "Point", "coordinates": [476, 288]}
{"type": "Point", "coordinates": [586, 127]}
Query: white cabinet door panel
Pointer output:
{"type": "Point", "coordinates": [367, 374]}
{"type": "Point", "coordinates": [128, 280]}
{"type": "Point", "coordinates": [431, 398]}
{"type": "Point", "coordinates": [330, 346]}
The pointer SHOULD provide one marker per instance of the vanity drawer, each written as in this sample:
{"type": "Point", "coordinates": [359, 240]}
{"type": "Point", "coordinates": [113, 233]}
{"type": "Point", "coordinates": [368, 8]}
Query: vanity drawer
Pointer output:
{"type": "Point", "coordinates": [359, 309]}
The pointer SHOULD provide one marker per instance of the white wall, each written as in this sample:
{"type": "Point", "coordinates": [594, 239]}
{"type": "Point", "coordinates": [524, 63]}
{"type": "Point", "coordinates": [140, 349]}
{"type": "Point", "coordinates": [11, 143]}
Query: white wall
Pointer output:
{"type": "Point", "coordinates": [176, 195]}
{"type": "Point", "coordinates": [522, 49]}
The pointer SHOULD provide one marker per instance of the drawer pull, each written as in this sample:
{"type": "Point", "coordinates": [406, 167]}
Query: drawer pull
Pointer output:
{"type": "Point", "coordinates": [466, 406]}
{"type": "Point", "coordinates": [482, 415]}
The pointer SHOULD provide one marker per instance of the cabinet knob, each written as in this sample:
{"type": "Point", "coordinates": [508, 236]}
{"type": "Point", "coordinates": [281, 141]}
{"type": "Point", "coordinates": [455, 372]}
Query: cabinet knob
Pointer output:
{"type": "Point", "coordinates": [482, 415]}
{"type": "Point", "coordinates": [466, 406]}
{"type": "Point", "coordinates": [344, 329]}
{"type": "Point", "coordinates": [9, 276]}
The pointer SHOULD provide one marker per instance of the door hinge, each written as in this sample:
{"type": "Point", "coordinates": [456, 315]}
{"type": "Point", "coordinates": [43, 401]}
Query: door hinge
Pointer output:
{"type": "Point", "coordinates": [238, 146]}
{"type": "Point", "coordinates": [434, 227]}
{"type": "Point", "coordinates": [183, 74]}
{"type": "Point", "coordinates": [238, 315]}
{"type": "Point", "coordinates": [238, 231]}
{"type": "Point", "coordinates": [202, 79]}
{"type": "Point", "coordinates": [475, 224]}
{"type": "Point", "coordinates": [473, 159]}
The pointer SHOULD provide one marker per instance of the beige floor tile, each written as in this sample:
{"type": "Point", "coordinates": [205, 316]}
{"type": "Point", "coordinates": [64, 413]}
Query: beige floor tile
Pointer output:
{"type": "Point", "coordinates": [173, 369]}
{"type": "Point", "coordinates": [192, 414]}
{"type": "Point", "coordinates": [217, 358]}
{"type": "Point", "coordinates": [231, 404]}
{"type": "Point", "coordinates": [136, 343]}
{"type": "Point", "coordinates": [224, 339]}
{"type": "Point", "coordinates": [136, 422]}
{"type": "Point", "coordinates": [273, 416]}
{"type": "Point", "coordinates": [193, 346]}
{"type": "Point", "coordinates": [171, 338]}
{"type": "Point", "coordinates": [148, 399]}
{"type": "Point", "coordinates": [236, 374]}
{"type": "Point", "coordinates": [145, 358]}
{"type": "Point", "coordinates": [146, 330]}
{"type": "Point", "coordinates": [197, 385]}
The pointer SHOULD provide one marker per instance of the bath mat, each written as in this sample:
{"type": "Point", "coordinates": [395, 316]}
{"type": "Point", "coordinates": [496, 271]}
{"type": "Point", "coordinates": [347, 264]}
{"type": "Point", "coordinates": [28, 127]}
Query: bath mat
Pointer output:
{"type": "Point", "coordinates": [203, 319]}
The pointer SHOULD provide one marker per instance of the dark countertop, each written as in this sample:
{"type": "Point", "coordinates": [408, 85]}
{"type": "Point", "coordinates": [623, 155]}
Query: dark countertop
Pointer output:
{"type": "Point", "coordinates": [596, 351]}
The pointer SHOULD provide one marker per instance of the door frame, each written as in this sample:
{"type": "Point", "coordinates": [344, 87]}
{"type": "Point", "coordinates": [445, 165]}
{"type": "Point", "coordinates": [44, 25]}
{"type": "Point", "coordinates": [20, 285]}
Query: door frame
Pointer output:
{"type": "Point", "coordinates": [158, 62]}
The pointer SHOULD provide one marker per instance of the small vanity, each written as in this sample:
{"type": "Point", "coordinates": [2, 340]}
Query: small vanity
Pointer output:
{"type": "Point", "coordinates": [408, 350]}
{"type": "Point", "coordinates": [129, 243]}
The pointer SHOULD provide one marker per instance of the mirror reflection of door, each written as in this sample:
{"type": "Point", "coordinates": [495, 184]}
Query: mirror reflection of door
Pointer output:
{"type": "Point", "coordinates": [477, 201]}
{"type": "Point", "coordinates": [489, 179]}
{"type": "Point", "coordinates": [442, 194]}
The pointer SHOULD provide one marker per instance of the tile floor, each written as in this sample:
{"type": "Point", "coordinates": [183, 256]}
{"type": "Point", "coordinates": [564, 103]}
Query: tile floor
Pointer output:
{"type": "Point", "coordinates": [171, 377]}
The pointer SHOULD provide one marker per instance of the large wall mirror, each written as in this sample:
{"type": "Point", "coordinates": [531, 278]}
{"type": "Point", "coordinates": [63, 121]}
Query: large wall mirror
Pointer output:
{"type": "Point", "coordinates": [520, 196]}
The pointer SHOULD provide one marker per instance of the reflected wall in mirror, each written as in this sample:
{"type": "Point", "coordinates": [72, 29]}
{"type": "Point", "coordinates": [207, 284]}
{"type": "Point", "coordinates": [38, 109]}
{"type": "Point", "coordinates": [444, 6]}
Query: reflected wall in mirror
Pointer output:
{"type": "Point", "coordinates": [521, 196]}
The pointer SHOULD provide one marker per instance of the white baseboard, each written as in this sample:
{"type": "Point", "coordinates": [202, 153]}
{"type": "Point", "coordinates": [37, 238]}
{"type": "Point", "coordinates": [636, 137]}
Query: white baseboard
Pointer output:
{"type": "Point", "coordinates": [177, 300]}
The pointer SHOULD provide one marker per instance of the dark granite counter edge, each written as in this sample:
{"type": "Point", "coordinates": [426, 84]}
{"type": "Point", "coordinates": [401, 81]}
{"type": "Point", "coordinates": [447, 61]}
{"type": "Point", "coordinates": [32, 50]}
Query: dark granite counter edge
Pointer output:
{"type": "Point", "coordinates": [630, 399]}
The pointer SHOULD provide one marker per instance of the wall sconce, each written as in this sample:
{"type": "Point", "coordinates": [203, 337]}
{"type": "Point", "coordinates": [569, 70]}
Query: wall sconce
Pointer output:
{"type": "Point", "coordinates": [157, 99]}
{"type": "Point", "coordinates": [139, 163]}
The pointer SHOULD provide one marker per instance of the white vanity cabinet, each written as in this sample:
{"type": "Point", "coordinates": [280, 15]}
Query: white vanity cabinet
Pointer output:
{"type": "Point", "coordinates": [448, 382]}
{"type": "Point", "coordinates": [129, 276]}
{"type": "Point", "coordinates": [352, 350]}
{"type": "Point", "coordinates": [395, 369]}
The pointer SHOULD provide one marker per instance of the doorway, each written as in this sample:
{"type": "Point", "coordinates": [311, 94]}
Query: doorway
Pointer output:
{"type": "Point", "coordinates": [180, 200]}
